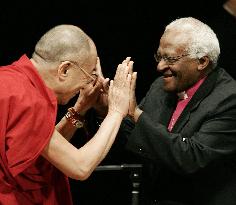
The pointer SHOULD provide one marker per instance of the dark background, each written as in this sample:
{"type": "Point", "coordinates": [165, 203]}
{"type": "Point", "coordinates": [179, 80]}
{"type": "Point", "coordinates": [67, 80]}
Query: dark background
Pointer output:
{"type": "Point", "coordinates": [119, 29]}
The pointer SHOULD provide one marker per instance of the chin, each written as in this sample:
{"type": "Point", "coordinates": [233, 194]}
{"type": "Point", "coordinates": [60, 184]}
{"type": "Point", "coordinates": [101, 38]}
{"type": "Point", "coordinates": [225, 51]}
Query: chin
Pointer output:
{"type": "Point", "coordinates": [171, 89]}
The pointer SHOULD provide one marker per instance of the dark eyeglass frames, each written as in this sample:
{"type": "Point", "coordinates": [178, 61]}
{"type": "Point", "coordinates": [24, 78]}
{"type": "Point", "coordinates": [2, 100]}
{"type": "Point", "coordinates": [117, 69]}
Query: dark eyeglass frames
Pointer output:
{"type": "Point", "coordinates": [170, 60]}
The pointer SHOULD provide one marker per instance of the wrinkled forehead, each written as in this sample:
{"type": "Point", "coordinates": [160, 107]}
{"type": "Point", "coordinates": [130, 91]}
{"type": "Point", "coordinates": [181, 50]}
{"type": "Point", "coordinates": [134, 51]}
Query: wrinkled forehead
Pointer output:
{"type": "Point", "coordinates": [173, 41]}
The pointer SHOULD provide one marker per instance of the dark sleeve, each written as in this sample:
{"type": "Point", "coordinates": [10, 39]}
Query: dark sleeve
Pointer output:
{"type": "Point", "coordinates": [118, 153]}
{"type": "Point", "coordinates": [215, 139]}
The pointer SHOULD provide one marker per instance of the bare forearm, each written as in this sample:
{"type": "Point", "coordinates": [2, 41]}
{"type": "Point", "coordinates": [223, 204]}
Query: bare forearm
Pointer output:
{"type": "Point", "coordinates": [112, 137]}
{"type": "Point", "coordinates": [80, 163]}
{"type": "Point", "coordinates": [101, 143]}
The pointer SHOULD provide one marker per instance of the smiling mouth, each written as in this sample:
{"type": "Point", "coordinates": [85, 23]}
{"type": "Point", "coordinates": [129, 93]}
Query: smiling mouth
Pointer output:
{"type": "Point", "coordinates": [167, 75]}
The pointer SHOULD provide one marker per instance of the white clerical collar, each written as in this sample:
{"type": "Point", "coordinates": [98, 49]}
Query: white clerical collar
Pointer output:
{"type": "Point", "coordinates": [182, 95]}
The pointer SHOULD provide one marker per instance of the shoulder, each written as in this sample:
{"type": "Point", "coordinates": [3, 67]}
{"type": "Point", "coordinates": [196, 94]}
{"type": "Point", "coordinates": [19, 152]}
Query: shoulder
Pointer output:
{"type": "Point", "coordinates": [12, 80]}
{"type": "Point", "coordinates": [225, 84]}
{"type": "Point", "coordinates": [222, 96]}
{"type": "Point", "coordinates": [19, 94]}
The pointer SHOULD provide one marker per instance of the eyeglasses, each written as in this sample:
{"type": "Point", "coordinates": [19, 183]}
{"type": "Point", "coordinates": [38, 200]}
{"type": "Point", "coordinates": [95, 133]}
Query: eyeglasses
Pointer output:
{"type": "Point", "coordinates": [170, 60]}
{"type": "Point", "coordinates": [92, 77]}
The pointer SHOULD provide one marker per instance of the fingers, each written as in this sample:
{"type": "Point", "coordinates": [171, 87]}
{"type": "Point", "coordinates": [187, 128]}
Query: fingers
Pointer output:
{"type": "Point", "coordinates": [110, 88]}
{"type": "Point", "coordinates": [98, 86]}
{"type": "Point", "coordinates": [126, 60]}
{"type": "Point", "coordinates": [98, 68]}
{"type": "Point", "coordinates": [129, 63]}
{"type": "Point", "coordinates": [119, 90]}
{"type": "Point", "coordinates": [128, 80]}
{"type": "Point", "coordinates": [121, 70]}
{"type": "Point", "coordinates": [92, 88]}
{"type": "Point", "coordinates": [133, 82]}
{"type": "Point", "coordinates": [106, 85]}
{"type": "Point", "coordinates": [87, 88]}
{"type": "Point", "coordinates": [132, 101]}
{"type": "Point", "coordinates": [121, 76]}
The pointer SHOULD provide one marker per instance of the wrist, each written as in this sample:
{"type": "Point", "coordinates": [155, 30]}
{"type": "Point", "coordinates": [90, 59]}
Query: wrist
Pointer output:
{"type": "Point", "coordinates": [78, 108]}
{"type": "Point", "coordinates": [75, 118]}
{"type": "Point", "coordinates": [135, 114]}
{"type": "Point", "coordinates": [116, 112]}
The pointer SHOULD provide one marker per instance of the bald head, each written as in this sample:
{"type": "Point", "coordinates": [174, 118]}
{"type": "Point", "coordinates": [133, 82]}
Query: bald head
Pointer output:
{"type": "Point", "coordinates": [64, 42]}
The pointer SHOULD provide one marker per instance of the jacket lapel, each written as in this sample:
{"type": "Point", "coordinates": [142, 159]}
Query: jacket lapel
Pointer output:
{"type": "Point", "coordinates": [168, 106]}
{"type": "Point", "coordinates": [201, 93]}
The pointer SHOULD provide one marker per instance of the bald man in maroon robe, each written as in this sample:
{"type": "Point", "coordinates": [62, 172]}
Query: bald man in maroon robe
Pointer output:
{"type": "Point", "coordinates": [36, 156]}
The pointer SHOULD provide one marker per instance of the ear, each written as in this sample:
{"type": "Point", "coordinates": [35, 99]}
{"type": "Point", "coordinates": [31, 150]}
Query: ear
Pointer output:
{"type": "Point", "coordinates": [63, 69]}
{"type": "Point", "coordinates": [203, 62]}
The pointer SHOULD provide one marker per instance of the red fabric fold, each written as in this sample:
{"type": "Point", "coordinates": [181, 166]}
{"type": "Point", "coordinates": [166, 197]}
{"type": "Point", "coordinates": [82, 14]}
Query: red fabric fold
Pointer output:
{"type": "Point", "coordinates": [28, 114]}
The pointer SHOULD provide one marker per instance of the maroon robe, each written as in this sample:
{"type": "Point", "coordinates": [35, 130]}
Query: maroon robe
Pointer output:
{"type": "Point", "coordinates": [27, 120]}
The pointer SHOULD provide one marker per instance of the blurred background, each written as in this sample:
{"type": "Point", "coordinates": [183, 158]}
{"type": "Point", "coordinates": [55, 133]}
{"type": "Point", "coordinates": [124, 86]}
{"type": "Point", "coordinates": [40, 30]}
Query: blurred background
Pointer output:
{"type": "Point", "coordinates": [119, 28]}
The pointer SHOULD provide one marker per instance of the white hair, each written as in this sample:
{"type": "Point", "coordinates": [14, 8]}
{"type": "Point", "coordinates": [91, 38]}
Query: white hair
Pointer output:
{"type": "Point", "coordinates": [201, 39]}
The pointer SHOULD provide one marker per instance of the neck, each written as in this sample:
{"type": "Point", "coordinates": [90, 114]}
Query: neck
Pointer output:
{"type": "Point", "coordinates": [45, 73]}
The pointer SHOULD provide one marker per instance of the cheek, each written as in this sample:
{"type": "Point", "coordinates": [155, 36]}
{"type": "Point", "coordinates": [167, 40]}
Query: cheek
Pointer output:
{"type": "Point", "coordinates": [77, 82]}
{"type": "Point", "coordinates": [186, 79]}
{"type": "Point", "coordinates": [180, 79]}
{"type": "Point", "coordinates": [81, 84]}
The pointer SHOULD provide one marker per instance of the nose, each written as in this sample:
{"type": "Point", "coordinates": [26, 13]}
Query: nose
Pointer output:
{"type": "Point", "coordinates": [162, 65]}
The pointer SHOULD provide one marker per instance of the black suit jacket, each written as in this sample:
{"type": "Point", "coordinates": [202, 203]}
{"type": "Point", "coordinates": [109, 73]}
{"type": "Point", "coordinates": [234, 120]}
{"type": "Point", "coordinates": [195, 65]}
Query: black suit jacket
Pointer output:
{"type": "Point", "coordinates": [195, 163]}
